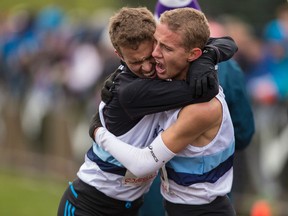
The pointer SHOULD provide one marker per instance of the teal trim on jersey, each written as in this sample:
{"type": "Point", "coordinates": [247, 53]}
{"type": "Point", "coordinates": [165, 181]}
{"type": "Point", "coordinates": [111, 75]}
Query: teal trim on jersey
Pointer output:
{"type": "Point", "coordinates": [200, 164]}
{"type": "Point", "coordinates": [73, 211]}
{"type": "Point", "coordinates": [105, 156]}
{"type": "Point", "coordinates": [73, 190]}
{"type": "Point", "coordinates": [66, 206]}
{"type": "Point", "coordinates": [69, 209]}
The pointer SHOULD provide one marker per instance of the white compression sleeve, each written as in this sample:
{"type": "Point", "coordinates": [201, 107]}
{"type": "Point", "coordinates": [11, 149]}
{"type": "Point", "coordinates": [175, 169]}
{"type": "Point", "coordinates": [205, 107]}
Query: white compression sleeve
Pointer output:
{"type": "Point", "coordinates": [138, 161]}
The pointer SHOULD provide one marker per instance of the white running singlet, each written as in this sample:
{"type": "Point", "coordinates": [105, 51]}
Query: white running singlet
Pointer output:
{"type": "Point", "coordinates": [197, 175]}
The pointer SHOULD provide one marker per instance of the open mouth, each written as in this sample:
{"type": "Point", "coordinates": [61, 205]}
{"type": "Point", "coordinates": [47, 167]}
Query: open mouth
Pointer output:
{"type": "Point", "coordinates": [160, 67]}
{"type": "Point", "coordinates": [150, 75]}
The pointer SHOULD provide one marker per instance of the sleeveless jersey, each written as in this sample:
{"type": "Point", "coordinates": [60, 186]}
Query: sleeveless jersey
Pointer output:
{"type": "Point", "coordinates": [130, 116]}
{"type": "Point", "coordinates": [197, 175]}
{"type": "Point", "coordinates": [107, 175]}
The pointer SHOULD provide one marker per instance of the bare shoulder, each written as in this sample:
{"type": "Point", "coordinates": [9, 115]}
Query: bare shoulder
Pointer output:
{"type": "Point", "coordinates": [207, 112]}
{"type": "Point", "coordinates": [196, 123]}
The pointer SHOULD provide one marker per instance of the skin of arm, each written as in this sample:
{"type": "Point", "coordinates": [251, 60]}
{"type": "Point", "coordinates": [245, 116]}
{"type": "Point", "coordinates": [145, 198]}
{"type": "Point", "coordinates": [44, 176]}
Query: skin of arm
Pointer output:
{"type": "Point", "coordinates": [197, 124]}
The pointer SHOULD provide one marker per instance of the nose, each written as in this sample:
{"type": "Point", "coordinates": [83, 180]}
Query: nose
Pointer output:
{"type": "Point", "coordinates": [156, 52]}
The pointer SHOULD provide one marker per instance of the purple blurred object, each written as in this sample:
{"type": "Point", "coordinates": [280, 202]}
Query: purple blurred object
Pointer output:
{"type": "Point", "coordinates": [164, 5]}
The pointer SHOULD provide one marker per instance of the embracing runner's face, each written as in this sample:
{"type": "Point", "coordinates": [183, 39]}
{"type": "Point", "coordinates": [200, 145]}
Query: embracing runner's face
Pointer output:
{"type": "Point", "coordinates": [140, 61]}
{"type": "Point", "coordinates": [169, 53]}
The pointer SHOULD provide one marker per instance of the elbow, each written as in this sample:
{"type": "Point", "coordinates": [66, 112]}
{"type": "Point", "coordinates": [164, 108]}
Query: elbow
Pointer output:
{"type": "Point", "coordinates": [141, 173]}
{"type": "Point", "coordinates": [143, 169]}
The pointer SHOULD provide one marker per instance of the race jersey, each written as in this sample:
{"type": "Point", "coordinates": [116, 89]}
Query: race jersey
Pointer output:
{"type": "Point", "coordinates": [104, 172]}
{"type": "Point", "coordinates": [125, 118]}
{"type": "Point", "coordinates": [197, 175]}
{"type": "Point", "coordinates": [133, 116]}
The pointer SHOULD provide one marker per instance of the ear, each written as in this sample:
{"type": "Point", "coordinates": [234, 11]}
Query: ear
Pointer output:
{"type": "Point", "coordinates": [119, 55]}
{"type": "Point", "coordinates": [194, 54]}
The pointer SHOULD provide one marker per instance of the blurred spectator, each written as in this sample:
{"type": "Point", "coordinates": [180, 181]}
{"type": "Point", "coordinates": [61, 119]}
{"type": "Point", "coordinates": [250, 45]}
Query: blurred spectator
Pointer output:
{"type": "Point", "coordinates": [267, 80]}
{"type": "Point", "coordinates": [250, 46]}
{"type": "Point", "coordinates": [51, 64]}
{"type": "Point", "coordinates": [276, 38]}
{"type": "Point", "coordinates": [18, 46]}
{"type": "Point", "coordinates": [274, 126]}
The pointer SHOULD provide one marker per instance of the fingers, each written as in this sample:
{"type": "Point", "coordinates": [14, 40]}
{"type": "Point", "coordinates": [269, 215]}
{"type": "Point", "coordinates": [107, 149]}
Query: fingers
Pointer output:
{"type": "Point", "coordinates": [106, 95]}
{"type": "Point", "coordinates": [198, 88]}
{"type": "Point", "coordinates": [205, 85]}
{"type": "Point", "coordinates": [95, 123]}
{"type": "Point", "coordinates": [212, 80]}
{"type": "Point", "coordinates": [108, 83]}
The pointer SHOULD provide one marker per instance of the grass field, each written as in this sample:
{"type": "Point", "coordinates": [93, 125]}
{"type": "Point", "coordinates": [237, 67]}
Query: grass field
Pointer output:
{"type": "Point", "coordinates": [67, 4]}
{"type": "Point", "coordinates": [24, 196]}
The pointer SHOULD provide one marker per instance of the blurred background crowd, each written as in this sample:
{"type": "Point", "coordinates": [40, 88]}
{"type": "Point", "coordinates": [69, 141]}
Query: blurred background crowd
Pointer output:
{"type": "Point", "coordinates": [52, 64]}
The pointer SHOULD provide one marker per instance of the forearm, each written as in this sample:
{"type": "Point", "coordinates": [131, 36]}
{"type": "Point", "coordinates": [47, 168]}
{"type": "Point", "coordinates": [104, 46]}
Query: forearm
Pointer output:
{"type": "Point", "coordinates": [141, 97]}
{"type": "Point", "coordinates": [138, 161]}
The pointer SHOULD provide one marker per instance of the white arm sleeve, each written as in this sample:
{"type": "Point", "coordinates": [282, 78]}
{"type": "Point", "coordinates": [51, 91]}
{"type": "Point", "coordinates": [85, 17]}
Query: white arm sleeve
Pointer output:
{"type": "Point", "coordinates": [138, 161]}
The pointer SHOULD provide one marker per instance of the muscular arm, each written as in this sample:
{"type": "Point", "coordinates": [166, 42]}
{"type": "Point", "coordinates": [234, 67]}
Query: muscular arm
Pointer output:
{"type": "Point", "coordinates": [196, 124]}
{"type": "Point", "coordinates": [183, 132]}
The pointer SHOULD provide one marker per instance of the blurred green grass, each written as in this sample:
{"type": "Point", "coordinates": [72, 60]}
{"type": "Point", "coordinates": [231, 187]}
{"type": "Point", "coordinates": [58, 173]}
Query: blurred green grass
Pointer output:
{"type": "Point", "coordinates": [89, 5]}
{"type": "Point", "coordinates": [28, 196]}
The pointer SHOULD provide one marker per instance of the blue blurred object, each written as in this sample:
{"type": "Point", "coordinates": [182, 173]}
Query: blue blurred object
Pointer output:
{"type": "Point", "coordinates": [49, 18]}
